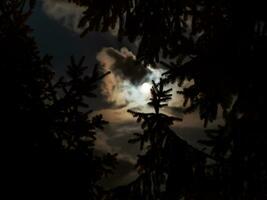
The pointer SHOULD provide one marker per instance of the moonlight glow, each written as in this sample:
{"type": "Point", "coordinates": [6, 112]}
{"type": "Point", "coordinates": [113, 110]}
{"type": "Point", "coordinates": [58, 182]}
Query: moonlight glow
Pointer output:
{"type": "Point", "coordinates": [145, 88]}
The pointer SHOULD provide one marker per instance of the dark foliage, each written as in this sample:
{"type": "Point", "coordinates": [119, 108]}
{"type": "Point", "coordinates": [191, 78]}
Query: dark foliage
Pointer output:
{"type": "Point", "coordinates": [220, 46]}
{"type": "Point", "coordinates": [222, 41]}
{"type": "Point", "coordinates": [169, 168]}
{"type": "Point", "coordinates": [48, 133]}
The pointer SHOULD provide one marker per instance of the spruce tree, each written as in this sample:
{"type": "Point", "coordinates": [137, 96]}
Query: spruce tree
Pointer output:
{"type": "Point", "coordinates": [48, 130]}
{"type": "Point", "coordinates": [169, 168]}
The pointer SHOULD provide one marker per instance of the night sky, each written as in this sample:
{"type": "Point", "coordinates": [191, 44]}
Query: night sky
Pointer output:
{"type": "Point", "coordinates": [55, 30]}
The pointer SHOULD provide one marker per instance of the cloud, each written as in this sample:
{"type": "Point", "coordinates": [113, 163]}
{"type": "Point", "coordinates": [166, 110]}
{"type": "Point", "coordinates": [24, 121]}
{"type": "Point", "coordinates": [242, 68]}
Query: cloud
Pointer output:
{"type": "Point", "coordinates": [114, 139]}
{"type": "Point", "coordinates": [101, 143]}
{"type": "Point", "coordinates": [68, 14]}
{"type": "Point", "coordinates": [123, 86]}
{"type": "Point", "coordinates": [124, 172]}
{"type": "Point", "coordinates": [115, 115]}
{"type": "Point", "coordinates": [123, 63]}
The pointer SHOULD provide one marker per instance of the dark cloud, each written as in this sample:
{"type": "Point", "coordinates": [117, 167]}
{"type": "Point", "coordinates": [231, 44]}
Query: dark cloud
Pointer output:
{"type": "Point", "coordinates": [124, 64]}
{"type": "Point", "coordinates": [127, 66]}
{"type": "Point", "coordinates": [122, 86]}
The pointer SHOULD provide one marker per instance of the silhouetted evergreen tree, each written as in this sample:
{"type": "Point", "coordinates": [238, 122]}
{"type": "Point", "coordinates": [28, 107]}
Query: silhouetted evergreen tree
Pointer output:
{"type": "Point", "coordinates": [220, 46]}
{"type": "Point", "coordinates": [169, 168]}
{"type": "Point", "coordinates": [48, 132]}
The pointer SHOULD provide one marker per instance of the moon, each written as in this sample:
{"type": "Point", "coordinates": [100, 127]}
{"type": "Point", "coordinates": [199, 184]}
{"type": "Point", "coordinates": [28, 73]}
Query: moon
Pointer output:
{"type": "Point", "coordinates": [145, 88]}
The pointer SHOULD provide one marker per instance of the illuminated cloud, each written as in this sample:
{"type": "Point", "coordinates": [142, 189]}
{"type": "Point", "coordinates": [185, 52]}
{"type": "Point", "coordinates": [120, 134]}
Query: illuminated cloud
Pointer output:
{"type": "Point", "coordinates": [129, 82]}
{"type": "Point", "coordinates": [126, 87]}
{"type": "Point", "coordinates": [123, 86]}
{"type": "Point", "coordinates": [68, 14]}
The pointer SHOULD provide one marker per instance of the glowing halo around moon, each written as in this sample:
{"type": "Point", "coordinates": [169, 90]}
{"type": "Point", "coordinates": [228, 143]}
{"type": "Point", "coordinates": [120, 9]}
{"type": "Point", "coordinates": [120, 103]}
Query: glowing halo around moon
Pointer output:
{"type": "Point", "coordinates": [145, 88]}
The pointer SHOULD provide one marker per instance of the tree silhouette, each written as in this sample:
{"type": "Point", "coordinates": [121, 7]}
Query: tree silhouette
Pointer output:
{"type": "Point", "coordinates": [48, 132]}
{"type": "Point", "coordinates": [169, 168]}
{"type": "Point", "coordinates": [75, 133]}
{"type": "Point", "coordinates": [221, 47]}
